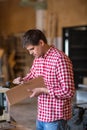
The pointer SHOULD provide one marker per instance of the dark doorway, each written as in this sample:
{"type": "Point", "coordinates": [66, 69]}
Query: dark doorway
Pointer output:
{"type": "Point", "coordinates": [75, 46]}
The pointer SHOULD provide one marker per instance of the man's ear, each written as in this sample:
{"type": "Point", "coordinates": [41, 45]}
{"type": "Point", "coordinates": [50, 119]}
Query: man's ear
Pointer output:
{"type": "Point", "coordinates": [41, 42]}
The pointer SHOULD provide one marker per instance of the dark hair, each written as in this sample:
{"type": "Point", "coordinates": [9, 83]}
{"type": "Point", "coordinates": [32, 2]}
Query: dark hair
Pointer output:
{"type": "Point", "coordinates": [32, 37]}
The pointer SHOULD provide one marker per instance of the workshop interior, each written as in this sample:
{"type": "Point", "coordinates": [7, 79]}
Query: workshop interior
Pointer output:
{"type": "Point", "coordinates": [65, 26]}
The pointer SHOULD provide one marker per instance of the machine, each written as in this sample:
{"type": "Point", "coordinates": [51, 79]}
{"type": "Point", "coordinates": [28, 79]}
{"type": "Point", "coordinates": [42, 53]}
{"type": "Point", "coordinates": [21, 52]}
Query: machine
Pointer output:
{"type": "Point", "coordinates": [4, 107]}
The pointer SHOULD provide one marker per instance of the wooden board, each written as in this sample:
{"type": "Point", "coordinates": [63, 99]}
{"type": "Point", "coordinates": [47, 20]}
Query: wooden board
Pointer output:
{"type": "Point", "coordinates": [19, 92]}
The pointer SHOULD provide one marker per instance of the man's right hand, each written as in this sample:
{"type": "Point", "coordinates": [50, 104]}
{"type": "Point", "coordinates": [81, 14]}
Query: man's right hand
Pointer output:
{"type": "Point", "coordinates": [18, 80]}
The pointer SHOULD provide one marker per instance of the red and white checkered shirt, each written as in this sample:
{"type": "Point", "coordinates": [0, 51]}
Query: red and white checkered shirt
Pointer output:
{"type": "Point", "coordinates": [56, 69]}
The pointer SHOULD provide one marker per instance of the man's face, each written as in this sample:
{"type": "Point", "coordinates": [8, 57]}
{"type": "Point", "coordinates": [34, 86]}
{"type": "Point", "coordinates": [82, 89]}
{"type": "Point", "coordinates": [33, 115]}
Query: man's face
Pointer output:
{"type": "Point", "coordinates": [36, 51]}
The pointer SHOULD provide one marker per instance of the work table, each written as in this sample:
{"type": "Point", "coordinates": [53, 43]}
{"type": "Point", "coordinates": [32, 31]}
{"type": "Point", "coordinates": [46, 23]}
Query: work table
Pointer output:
{"type": "Point", "coordinates": [13, 126]}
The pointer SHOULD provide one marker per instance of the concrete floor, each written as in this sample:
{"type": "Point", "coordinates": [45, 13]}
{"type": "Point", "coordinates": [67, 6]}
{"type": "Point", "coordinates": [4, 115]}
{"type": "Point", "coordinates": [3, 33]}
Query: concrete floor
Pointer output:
{"type": "Point", "coordinates": [25, 113]}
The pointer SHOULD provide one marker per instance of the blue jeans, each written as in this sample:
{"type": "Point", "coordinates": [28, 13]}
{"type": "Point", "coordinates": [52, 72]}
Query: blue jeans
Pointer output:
{"type": "Point", "coordinates": [56, 125]}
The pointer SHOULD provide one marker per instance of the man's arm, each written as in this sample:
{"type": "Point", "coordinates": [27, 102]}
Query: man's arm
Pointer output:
{"type": "Point", "coordinates": [37, 91]}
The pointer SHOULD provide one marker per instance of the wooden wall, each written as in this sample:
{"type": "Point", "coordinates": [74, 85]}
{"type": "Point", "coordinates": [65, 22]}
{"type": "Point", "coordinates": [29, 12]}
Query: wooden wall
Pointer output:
{"type": "Point", "coordinates": [69, 12]}
{"type": "Point", "coordinates": [15, 19]}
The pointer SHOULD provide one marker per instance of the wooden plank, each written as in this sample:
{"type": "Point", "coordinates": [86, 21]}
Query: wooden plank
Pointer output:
{"type": "Point", "coordinates": [19, 92]}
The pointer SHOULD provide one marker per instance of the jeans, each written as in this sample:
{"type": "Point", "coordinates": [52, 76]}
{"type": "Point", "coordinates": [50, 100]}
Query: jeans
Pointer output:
{"type": "Point", "coordinates": [56, 125]}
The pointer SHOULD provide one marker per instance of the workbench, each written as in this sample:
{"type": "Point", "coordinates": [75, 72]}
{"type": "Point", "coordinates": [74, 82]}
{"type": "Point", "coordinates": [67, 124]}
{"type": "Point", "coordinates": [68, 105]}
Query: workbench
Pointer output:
{"type": "Point", "coordinates": [19, 127]}
{"type": "Point", "coordinates": [14, 126]}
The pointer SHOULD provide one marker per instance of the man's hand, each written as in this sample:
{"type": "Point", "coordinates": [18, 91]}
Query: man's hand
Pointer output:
{"type": "Point", "coordinates": [18, 80]}
{"type": "Point", "coordinates": [37, 91]}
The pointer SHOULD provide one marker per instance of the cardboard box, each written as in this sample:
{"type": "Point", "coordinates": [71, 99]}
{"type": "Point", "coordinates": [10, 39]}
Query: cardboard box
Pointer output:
{"type": "Point", "coordinates": [19, 92]}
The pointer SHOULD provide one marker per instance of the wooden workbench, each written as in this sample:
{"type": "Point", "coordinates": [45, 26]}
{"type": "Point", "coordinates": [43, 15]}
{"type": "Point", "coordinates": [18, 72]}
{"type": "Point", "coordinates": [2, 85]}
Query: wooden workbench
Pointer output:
{"type": "Point", "coordinates": [16, 126]}
{"type": "Point", "coordinates": [19, 127]}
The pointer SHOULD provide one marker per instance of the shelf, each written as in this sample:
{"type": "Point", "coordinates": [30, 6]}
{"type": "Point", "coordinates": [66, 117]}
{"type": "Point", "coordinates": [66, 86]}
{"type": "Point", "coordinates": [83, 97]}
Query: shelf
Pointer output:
{"type": "Point", "coordinates": [80, 58]}
{"type": "Point", "coordinates": [78, 47]}
{"type": "Point", "coordinates": [80, 70]}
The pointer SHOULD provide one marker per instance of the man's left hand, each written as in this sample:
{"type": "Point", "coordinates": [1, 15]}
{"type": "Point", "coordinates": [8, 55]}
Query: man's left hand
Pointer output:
{"type": "Point", "coordinates": [37, 91]}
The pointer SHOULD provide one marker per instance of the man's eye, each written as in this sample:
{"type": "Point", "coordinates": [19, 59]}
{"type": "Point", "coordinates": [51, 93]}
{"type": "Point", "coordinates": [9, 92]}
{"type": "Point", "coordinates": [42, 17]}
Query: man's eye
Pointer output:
{"type": "Point", "coordinates": [31, 49]}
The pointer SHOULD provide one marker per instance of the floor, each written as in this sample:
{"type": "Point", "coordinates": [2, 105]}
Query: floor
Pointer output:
{"type": "Point", "coordinates": [25, 112]}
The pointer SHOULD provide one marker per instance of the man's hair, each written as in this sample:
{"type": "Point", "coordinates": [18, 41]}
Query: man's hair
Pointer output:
{"type": "Point", "coordinates": [32, 37]}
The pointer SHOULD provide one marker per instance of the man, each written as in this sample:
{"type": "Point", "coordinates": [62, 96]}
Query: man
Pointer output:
{"type": "Point", "coordinates": [55, 99]}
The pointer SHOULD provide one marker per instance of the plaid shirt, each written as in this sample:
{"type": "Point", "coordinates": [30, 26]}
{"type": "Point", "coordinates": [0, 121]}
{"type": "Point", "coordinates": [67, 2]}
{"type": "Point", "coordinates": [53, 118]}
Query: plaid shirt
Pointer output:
{"type": "Point", "coordinates": [56, 69]}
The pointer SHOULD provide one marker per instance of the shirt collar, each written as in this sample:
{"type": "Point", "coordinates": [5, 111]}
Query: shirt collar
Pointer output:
{"type": "Point", "coordinates": [47, 53]}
